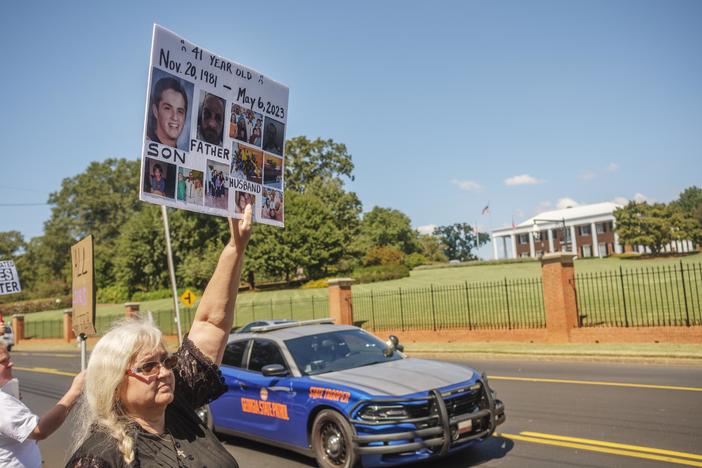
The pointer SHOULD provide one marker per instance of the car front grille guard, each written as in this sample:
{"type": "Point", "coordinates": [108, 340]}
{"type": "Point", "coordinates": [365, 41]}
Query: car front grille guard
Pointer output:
{"type": "Point", "coordinates": [436, 430]}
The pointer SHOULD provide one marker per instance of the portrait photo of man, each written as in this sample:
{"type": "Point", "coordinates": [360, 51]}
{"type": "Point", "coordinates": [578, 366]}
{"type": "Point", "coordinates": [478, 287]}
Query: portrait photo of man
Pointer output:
{"type": "Point", "coordinates": [210, 119]}
{"type": "Point", "coordinates": [168, 110]}
{"type": "Point", "coordinates": [273, 136]}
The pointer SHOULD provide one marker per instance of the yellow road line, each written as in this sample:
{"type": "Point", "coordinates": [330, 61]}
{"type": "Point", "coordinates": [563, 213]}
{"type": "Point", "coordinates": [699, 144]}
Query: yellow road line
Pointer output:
{"type": "Point", "coordinates": [613, 445]}
{"type": "Point", "coordinates": [611, 451]}
{"type": "Point", "coordinates": [44, 370]}
{"type": "Point", "coordinates": [595, 382]}
{"type": "Point", "coordinates": [59, 355]}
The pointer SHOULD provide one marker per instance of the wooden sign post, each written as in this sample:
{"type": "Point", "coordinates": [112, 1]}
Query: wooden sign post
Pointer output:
{"type": "Point", "coordinates": [83, 288]}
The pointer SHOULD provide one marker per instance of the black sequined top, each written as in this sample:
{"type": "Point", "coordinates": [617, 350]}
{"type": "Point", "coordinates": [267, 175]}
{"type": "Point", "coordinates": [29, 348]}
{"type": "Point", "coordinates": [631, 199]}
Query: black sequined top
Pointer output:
{"type": "Point", "coordinates": [187, 443]}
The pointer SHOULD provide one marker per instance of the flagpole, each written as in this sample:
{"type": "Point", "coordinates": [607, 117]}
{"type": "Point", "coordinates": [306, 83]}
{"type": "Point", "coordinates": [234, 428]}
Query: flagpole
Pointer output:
{"type": "Point", "coordinates": [477, 240]}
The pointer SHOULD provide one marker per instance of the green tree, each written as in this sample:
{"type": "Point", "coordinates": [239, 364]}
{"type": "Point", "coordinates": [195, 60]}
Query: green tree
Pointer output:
{"type": "Point", "coordinates": [11, 242]}
{"type": "Point", "coordinates": [196, 239]}
{"type": "Point", "coordinates": [432, 248]}
{"type": "Point", "coordinates": [322, 167]}
{"type": "Point", "coordinates": [387, 226]}
{"type": "Point", "coordinates": [683, 225]}
{"type": "Point", "coordinates": [383, 255]}
{"type": "Point", "coordinates": [690, 200]}
{"type": "Point", "coordinates": [654, 225]}
{"type": "Point", "coordinates": [346, 208]}
{"type": "Point", "coordinates": [459, 239]}
{"type": "Point", "coordinates": [690, 204]}
{"type": "Point", "coordinates": [307, 161]}
{"type": "Point", "coordinates": [97, 201]}
{"type": "Point", "coordinates": [140, 256]}
{"type": "Point", "coordinates": [310, 240]}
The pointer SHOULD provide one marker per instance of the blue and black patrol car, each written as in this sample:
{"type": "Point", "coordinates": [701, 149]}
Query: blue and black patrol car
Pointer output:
{"type": "Point", "coordinates": [340, 394]}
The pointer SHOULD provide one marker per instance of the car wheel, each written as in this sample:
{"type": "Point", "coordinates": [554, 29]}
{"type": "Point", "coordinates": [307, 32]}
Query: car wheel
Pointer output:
{"type": "Point", "coordinates": [332, 441]}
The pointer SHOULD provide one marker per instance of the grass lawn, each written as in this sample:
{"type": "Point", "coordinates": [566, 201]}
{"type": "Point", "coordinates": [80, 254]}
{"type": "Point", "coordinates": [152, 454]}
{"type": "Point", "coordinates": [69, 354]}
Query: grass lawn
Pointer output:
{"type": "Point", "coordinates": [309, 303]}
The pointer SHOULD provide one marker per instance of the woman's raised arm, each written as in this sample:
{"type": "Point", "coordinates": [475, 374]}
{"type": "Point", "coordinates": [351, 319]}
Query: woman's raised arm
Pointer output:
{"type": "Point", "coordinates": [215, 315]}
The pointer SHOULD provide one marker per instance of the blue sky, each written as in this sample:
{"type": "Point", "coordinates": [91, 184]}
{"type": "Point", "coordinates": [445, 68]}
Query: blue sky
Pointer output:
{"type": "Point", "coordinates": [445, 106]}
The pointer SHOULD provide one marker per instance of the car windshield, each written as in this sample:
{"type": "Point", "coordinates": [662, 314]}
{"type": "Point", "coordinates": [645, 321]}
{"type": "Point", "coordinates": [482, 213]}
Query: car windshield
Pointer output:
{"type": "Point", "coordinates": [337, 351]}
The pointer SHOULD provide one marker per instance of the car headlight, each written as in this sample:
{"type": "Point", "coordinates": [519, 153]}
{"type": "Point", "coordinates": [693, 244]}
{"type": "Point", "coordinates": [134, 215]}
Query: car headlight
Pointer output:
{"type": "Point", "coordinates": [383, 413]}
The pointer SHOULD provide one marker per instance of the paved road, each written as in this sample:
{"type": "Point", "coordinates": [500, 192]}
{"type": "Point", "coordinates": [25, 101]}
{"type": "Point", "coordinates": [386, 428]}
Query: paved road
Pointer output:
{"type": "Point", "coordinates": [559, 414]}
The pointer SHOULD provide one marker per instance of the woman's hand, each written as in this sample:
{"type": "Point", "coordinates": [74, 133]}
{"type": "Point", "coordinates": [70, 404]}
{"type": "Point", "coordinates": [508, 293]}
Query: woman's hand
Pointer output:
{"type": "Point", "coordinates": [240, 229]}
{"type": "Point", "coordinates": [77, 386]}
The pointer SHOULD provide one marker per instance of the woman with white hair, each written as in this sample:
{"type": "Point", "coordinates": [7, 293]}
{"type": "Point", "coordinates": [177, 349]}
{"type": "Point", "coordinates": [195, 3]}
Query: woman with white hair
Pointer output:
{"type": "Point", "coordinates": [140, 402]}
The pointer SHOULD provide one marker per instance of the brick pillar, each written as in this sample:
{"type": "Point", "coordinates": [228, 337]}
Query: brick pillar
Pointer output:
{"type": "Point", "coordinates": [68, 333]}
{"type": "Point", "coordinates": [560, 304]}
{"type": "Point", "coordinates": [18, 327]}
{"type": "Point", "coordinates": [131, 309]}
{"type": "Point", "coordinates": [340, 302]}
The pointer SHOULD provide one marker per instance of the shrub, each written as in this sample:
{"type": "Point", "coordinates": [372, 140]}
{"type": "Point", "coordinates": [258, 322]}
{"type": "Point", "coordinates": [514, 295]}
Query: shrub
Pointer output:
{"type": "Point", "coordinates": [383, 255]}
{"type": "Point", "coordinates": [627, 255]}
{"type": "Point", "coordinates": [472, 263]}
{"type": "Point", "coordinates": [142, 296]}
{"type": "Point", "coordinates": [319, 283]}
{"type": "Point", "coordinates": [36, 305]}
{"type": "Point", "coordinates": [380, 273]}
{"type": "Point", "coordinates": [112, 294]}
{"type": "Point", "coordinates": [415, 259]}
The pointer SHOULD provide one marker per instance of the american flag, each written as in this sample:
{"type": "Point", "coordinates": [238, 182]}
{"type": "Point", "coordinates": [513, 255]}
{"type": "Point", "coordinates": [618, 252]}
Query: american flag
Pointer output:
{"type": "Point", "coordinates": [486, 210]}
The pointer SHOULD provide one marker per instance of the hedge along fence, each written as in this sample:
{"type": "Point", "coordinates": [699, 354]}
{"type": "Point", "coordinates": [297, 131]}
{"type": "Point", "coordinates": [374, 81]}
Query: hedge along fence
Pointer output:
{"type": "Point", "coordinates": [503, 304]}
{"type": "Point", "coordinates": [667, 295]}
{"type": "Point", "coordinates": [291, 309]}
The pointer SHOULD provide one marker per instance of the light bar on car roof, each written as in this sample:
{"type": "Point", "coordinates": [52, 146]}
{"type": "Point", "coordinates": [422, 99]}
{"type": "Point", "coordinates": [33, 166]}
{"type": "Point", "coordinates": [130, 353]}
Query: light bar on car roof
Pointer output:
{"type": "Point", "coordinates": [280, 326]}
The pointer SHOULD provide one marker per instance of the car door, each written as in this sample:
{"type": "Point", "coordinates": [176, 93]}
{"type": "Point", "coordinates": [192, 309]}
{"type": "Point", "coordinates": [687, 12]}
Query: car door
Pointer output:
{"type": "Point", "coordinates": [265, 401]}
{"type": "Point", "coordinates": [226, 410]}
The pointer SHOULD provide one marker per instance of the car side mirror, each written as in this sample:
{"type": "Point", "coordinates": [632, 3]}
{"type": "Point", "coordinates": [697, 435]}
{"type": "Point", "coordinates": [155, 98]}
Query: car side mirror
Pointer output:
{"type": "Point", "coordinates": [274, 370]}
{"type": "Point", "coordinates": [394, 343]}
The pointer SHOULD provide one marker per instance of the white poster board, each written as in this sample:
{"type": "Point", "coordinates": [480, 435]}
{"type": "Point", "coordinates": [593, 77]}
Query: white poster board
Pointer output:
{"type": "Point", "coordinates": [214, 133]}
{"type": "Point", "coordinates": [9, 280]}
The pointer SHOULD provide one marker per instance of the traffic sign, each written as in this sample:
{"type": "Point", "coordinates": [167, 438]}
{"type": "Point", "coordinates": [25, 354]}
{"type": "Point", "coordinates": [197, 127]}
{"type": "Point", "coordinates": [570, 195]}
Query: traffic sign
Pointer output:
{"type": "Point", "coordinates": [188, 297]}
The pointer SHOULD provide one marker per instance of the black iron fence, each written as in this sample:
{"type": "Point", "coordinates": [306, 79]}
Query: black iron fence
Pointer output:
{"type": "Point", "coordinates": [641, 297]}
{"type": "Point", "coordinates": [44, 329]}
{"type": "Point", "coordinates": [307, 308]}
{"type": "Point", "coordinates": [503, 304]}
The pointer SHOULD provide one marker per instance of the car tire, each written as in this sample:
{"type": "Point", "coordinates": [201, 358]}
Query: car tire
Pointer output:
{"type": "Point", "coordinates": [332, 441]}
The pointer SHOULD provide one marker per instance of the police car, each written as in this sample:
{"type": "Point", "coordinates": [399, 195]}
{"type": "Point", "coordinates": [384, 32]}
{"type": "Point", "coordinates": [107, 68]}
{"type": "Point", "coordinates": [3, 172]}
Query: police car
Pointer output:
{"type": "Point", "coordinates": [345, 397]}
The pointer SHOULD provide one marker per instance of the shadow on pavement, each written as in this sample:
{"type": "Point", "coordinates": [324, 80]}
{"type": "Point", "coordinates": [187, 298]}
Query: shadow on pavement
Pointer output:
{"type": "Point", "coordinates": [269, 449]}
{"type": "Point", "coordinates": [493, 448]}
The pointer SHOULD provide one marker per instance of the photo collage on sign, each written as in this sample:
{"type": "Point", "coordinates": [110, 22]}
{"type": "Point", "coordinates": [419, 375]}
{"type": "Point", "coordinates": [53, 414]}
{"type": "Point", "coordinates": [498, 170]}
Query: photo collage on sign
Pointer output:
{"type": "Point", "coordinates": [251, 131]}
{"type": "Point", "coordinates": [191, 159]}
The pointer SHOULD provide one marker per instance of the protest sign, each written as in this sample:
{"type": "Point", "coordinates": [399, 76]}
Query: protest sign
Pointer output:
{"type": "Point", "coordinates": [83, 286]}
{"type": "Point", "coordinates": [9, 280]}
{"type": "Point", "coordinates": [214, 133]}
